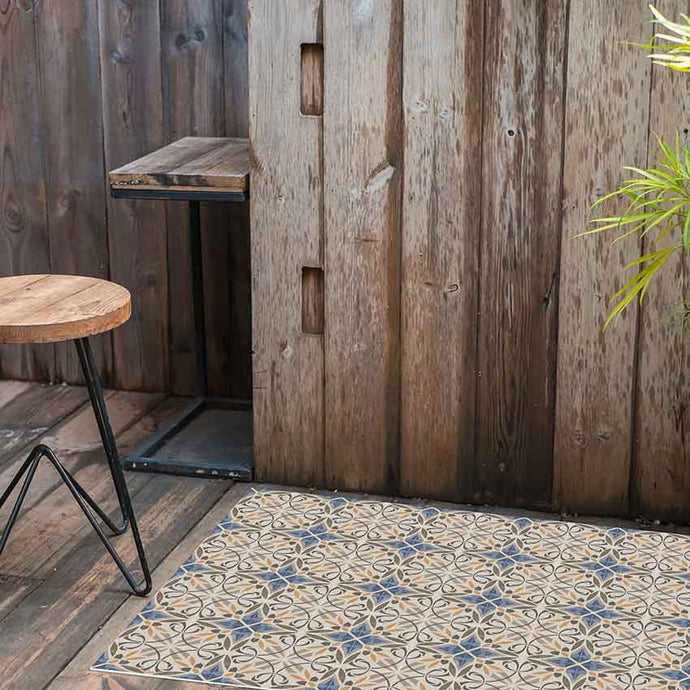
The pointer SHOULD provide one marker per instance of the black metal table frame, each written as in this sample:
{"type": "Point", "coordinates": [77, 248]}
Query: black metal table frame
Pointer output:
{"type": "Point", "coordinates": [140, 458]}
{"type": "Point", "coordinates": [88, 505]}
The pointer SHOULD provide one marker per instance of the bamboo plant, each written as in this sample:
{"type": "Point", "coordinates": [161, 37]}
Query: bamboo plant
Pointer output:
{"type": "Point", "coordinates": [658, 198]}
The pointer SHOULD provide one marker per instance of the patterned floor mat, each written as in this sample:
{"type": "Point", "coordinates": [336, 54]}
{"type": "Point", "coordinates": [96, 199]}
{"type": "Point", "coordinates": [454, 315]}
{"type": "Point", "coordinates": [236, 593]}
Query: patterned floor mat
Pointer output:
{"type": "Point", "coordinates": [296, 591]}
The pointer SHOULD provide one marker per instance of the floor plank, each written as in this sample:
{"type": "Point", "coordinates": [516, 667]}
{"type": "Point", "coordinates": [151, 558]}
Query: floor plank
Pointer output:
{"type": "Point", "coordinates": [33, 412]}
{"type": "Point", "coordinates": [13, 590]}
{"type": "Point", "coordinates": [9, 390]}
{"type": "Point", "coordinates": [77, 675]}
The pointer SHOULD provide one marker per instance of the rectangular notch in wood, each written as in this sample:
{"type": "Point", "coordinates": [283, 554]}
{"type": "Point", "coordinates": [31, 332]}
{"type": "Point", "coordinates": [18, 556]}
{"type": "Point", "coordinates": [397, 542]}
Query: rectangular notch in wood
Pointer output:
{"type": "Point", "coordinates": [311, 102]}
{"type": "Point", "coordinates": [312, 301]}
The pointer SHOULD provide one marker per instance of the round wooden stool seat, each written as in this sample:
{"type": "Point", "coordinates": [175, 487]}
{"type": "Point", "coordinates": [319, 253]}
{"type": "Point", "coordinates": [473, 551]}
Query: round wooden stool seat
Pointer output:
{"type": "Point", "coordinates": [52, 308]}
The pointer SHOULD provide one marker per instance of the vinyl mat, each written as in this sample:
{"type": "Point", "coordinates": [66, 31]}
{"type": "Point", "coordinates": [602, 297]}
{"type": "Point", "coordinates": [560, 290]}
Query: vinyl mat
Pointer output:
{"type": "Point", "coordinates": [299, 590]}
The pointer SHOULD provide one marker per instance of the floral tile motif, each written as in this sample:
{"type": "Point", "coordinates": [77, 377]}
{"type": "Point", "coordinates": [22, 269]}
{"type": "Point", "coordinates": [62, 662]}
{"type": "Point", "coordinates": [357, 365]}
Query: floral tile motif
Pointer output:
{"type": "Point", "coordinates": [298, 591]}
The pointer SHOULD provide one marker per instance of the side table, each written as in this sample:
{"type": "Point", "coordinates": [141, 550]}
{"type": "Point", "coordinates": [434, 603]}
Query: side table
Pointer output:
{"type": "Point", "coordinates": [193, 169]}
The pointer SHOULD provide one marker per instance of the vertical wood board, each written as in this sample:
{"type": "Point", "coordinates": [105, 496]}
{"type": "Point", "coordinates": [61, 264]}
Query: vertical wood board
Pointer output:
{"type": "Point", "coordinates": [229, 294]}
{"type": "Point", "coordinates": [193, 103]}
{"type": "Point", "coordinates": [68, 47]}
{"type": "Point", "coordinates": [440, 236]}
{"type": "Point", "coordinates": [286, 209]}
{"type": "Point", "coordinates": [519, 245]}
{"type": "Point", "coordinates": [362, 203]}
{"type": "Point", "coordinates": [661, 470]}
{"type": "Point", "coordinates": [24, 246]}
{"type": "Point", "coordinates": [606, 125]}
{"type": "Point", "coordinates": [132, 105]}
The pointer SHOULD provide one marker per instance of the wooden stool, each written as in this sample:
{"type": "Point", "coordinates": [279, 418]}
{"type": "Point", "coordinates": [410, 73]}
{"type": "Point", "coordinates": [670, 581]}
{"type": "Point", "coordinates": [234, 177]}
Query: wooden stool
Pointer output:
{"type": "Point", "coordinates": [54, 308]}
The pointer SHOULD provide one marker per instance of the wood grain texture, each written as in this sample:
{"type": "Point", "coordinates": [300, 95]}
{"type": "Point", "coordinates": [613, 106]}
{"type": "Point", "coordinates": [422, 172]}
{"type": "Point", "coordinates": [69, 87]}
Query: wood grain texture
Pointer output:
{"type": "Point", "coordinates": [32, 413]}
{"type": "Point", "coordinates": [440, 236]}
{"type": "Point", "coordinates": [24, 246]}
{"type": "Point", "coordinates": [13, 590]}
{"type": "Point", "coordinates": [230, 352]}
{"type": "Point", "coordinates": [229, 308]}
{"type": "Point", "coordinates": [133, 125]}
{"type": "Point", "coordinates": [519, 246]}
{"type": "Point", "coordinates": [54, 308]}
{"type": "Point", "coordinates": [286, 198]}
{"type": "Point", "coordinates": [363, 182]}
{"type": "Point", "coordinates": [202, 163]}
{"type": "Point", "coordinates": [661, 470]}
{"type": "Point", "coordinates": [610, 85]}
{"type": "Point", "coordinates": [68, 48]}
{"type": "Point", "coordinates": [193, 100]}
{"type": "Point", "coordinates": [236, 74]}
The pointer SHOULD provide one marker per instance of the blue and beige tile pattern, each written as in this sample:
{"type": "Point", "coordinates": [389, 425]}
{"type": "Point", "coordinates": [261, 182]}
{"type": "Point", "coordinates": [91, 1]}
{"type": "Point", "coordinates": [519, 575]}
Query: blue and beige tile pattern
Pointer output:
{"type": "Point", "coordinates": [299, 591]}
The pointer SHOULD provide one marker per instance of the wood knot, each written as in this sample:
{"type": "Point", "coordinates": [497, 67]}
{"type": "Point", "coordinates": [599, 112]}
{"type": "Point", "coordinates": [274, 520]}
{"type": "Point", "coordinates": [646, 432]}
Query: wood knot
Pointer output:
{"type": "Point", "coordinates": [118, 58]}
{"type": "Point", "coordinates": [381, 175]}
{"type": "Point", "coordinates": [13, 218]}
{"type": "Point", "coordinates": [603, 435]}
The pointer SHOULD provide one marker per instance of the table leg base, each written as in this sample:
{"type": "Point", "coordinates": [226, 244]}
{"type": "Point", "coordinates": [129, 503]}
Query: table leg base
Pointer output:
{"type": "Point", "coordinates": [217, 462]}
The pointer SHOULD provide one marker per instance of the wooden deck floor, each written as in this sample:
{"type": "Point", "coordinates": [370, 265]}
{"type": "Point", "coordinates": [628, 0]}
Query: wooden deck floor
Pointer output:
{"type": "Point", "coordinates": [58, 588]}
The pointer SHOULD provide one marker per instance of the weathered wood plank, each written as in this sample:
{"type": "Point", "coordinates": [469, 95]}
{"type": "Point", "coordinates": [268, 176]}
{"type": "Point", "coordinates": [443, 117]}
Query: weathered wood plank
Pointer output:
{"type": "Point", "coordinates": [236, 75]}
{"type": "Point", "coordinates": [24, 246]}
{"type": "Point", "coordinates": [362, 203]}
{"type": "Point", "coordinates": [610, 85]}
{"type": "Point", "coordinates": [70, 95]}
{"type": "Point", "coordinates": [10, 390]}
{"type": "Point", "coordinates": [286, 236]}
{"type": "Point", "coordinates": [229, 302]}
{"type": "Point", "coordinates": [442, 138]}
{"type": "Point", "coordinates": [193, 103]}
{"type": "Point", "coordinates": [661, 469]}
{"type": "Point", "coordinates": [161, 161]}
{"type": "Point", "coordinates": [203, 163]}
{"type": "Point", "coordinates": [133, 125]}
{"type": "Point", "coordinates": [520, 243]}
{"type": "Point", "coordinates": [13, 590]}
{"type": "Point", "coordinates": [28, 416]}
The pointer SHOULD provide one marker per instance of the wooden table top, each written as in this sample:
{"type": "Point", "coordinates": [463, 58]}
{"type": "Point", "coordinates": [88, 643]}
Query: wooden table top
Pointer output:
{"type": "Point", "coordinates": [52, 308]}
{"type": "Point", "coordinates": [193, 164]}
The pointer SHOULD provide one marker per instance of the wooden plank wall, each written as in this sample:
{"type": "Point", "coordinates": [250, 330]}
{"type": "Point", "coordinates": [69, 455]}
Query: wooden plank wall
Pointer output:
{"type": "Point", "coordinates": [86, 87]}
{"type": "Point", "coordinates": [459, 148]}
{"type": "Point", "coordinates": [425, 323]}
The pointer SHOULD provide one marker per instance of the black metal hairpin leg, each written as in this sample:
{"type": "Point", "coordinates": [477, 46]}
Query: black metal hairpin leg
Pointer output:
{"type": "Point", "coordinates": [86, 503]}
